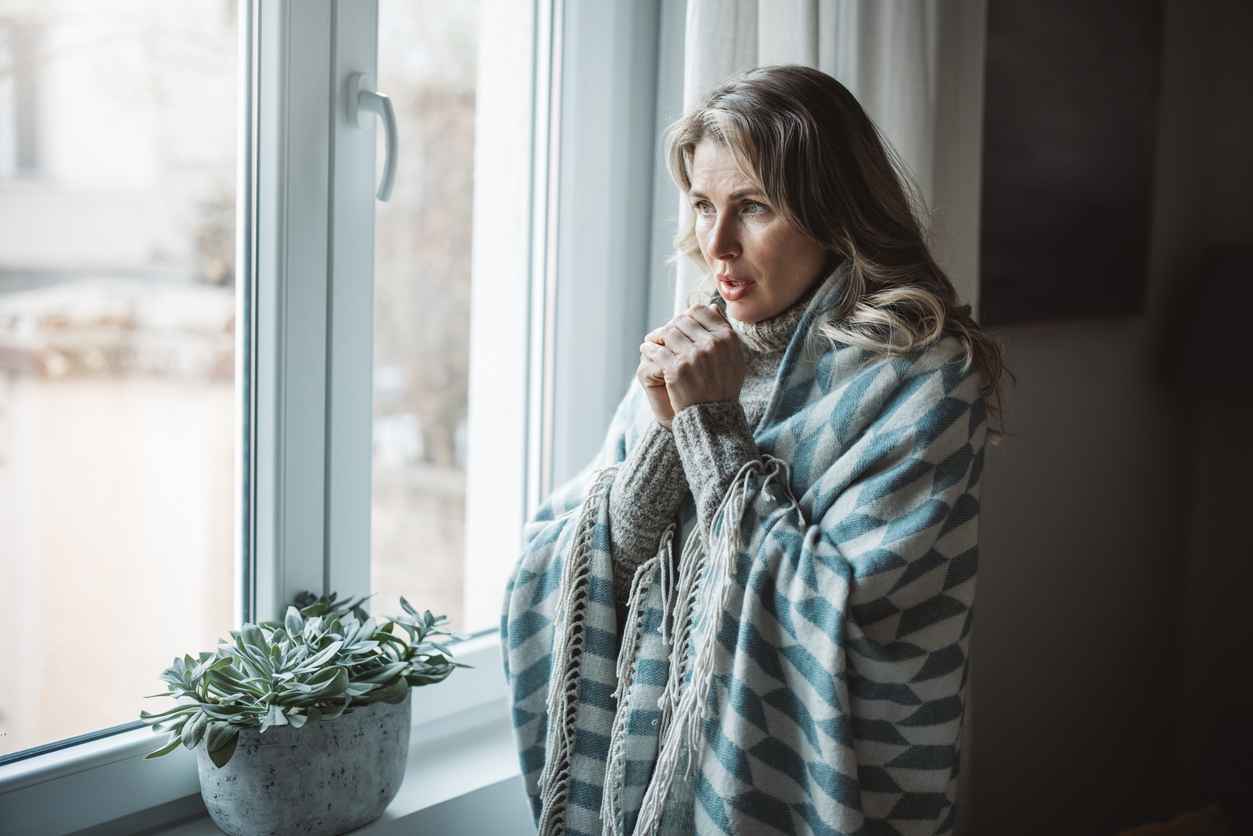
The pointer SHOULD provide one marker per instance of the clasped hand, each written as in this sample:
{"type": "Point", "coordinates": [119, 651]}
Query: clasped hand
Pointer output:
{"type": "Point", "coordinates": [694, 358]}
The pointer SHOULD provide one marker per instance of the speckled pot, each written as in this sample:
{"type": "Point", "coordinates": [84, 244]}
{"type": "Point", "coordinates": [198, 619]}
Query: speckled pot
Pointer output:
{"type": "Point", "coordinates": [329, 777]}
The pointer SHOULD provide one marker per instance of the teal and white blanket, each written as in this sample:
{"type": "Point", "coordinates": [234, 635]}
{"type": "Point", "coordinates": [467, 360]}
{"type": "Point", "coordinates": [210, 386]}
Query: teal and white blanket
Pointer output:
{"type": "Point", "coordinates": [804, 672]}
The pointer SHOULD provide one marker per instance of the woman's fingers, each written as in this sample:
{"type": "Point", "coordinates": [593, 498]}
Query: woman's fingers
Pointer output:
{"type": "Point", "coordinates": [649, 372]}
{"type": "Point", "coordinates": [656, 335]}
{"type": "Point", "coordinates": [656, 354]}
{"type": "Point", "coordinates": [688, 330]}
{"type": "Point", "coordinates": [710, 317]}
{"type": "Point", "coordinates": [698, 326]}
{"type": "Point", "coordinates": [682, 336]}
{"type": "Point", "coordinates": [663, 358]}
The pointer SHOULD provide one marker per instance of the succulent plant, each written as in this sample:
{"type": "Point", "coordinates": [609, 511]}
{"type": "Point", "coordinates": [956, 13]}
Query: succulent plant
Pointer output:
{"type": "Point", "coordinates": [321, 661]}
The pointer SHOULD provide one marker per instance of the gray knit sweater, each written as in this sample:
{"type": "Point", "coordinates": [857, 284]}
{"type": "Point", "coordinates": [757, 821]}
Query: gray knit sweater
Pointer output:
{"type": "Point", "coordinates": [698, 457]}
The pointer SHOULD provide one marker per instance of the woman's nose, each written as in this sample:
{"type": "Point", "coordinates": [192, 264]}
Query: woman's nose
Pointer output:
{"type": "Point", "coordinates": [723, 242]}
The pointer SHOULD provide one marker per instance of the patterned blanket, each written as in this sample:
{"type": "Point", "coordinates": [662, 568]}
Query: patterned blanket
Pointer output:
{"type": "Point", "coordinates": [805, 671]}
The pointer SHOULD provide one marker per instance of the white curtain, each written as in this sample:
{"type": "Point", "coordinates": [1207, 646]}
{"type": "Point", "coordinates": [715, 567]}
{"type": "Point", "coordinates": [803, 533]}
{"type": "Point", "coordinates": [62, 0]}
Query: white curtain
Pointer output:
{"type": "Point", "coordinates": [916, 68]}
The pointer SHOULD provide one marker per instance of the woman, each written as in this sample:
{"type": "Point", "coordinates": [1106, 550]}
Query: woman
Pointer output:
{"type": "Point", "coordinates": [809, 443]}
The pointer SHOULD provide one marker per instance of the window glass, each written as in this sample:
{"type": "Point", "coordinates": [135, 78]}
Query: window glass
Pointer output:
{"type": "Point", "coordinates": [432, 58]}
{"type": "Point", "coordinates": [117, 322]}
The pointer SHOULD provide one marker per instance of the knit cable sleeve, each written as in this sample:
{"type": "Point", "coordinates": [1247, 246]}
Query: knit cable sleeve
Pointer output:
{"type": "Point", "coordinates": [647, 492]}
{"type": "Point", "coordinates": [714, 442]}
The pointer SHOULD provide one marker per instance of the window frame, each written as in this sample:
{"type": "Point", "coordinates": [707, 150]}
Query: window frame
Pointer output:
{"type": "Point", "coordinates": [304, 416]}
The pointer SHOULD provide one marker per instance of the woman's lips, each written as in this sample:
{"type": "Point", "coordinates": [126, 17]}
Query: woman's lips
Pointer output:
{"type": "Point", "coordinates": [733, 289]}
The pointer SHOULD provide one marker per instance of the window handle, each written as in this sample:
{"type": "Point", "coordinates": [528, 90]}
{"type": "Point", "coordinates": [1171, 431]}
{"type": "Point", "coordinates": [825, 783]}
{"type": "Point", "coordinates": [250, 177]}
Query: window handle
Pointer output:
{"type": "Point", "coordinates": [361, 98]}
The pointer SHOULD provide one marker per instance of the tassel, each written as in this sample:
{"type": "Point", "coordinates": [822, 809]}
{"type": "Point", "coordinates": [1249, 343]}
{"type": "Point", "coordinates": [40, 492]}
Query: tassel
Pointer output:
{"type": "Point", "coordinates": [689, 567]}
{"type": "Point", "coordinates": [615, 764]}
{"type": "Point", "coordinates": [651, 807]}
{"type": "Point", "coordinates": [666, 555]}
{"type": "Point", "coordinates": [704, 584]}
{"type": "Point", "coordinates": [723, 550]}
{"type": "Point", "coordinates": [563, 684]}
{"type": "Point", "coordinates": [787, 485]}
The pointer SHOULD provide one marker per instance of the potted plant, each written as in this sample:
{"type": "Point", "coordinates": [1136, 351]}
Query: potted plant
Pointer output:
{"type": "Point", "coordinates": [303, 727]}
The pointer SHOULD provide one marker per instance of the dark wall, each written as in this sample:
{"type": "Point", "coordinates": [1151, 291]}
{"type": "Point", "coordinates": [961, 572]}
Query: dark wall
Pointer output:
{"type": "Point", "coordinates": [1111, 629]}
{"type": "Point", "coordinates": [1071, 101]}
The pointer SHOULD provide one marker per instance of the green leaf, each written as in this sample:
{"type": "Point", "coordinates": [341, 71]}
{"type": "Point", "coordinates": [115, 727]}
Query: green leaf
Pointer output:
{"type": "Point", "coordinates": [252, 660]}
{"type": "Point", "coordinates": [223, 712]}
{"type": "Point", "coordinates": [226, 747]}
{"type": "Point", "coordinates": [321, 657]}
{"type": "Point", "coordinates": [274, 717]}
{"type": "Point", "coordinates": [313, 628]}
{"type": "Point", "coordinates": [293, 622]}
{"type": "Point", "coordinates": [334, 686]}
{"type": "Point", "coordinates": [193, 729]}
{"type": "Point", "coordinates": [428, 677]}
{"type": "Point", "coordinates": [166, 749]}
{"type": "Point", "coordinates": [360, 689]}
{"type": "Point", "coordinates": [385, 673]}
{"type": "Point", "coordinates": [178, 709]}
{"type": "Point", "coordinates": [394, 692]}
{"type": "Point", "coordinates": [216, 735]}
{"type": "Point", "coordinates": [201, 669]}
{"type": "Point", "coordinates": [253, 637]}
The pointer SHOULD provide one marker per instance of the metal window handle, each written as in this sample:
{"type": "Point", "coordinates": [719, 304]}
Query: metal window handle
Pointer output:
{"type": "Point", "coordinates": [360, 99]}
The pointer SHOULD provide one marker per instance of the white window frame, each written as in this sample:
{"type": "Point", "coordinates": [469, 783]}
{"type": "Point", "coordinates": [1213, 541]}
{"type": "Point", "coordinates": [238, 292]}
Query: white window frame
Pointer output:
{"type": "Point", "coordinates": [592, 279]}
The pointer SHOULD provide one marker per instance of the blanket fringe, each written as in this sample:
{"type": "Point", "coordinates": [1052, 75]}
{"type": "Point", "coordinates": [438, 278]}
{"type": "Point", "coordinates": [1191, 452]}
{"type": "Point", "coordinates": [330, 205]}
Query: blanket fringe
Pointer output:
{"type": "Point", "coordinates": [688, 569]}
{"type": "Point", "coordinates": [668, 568]}
{"type": "Point", "coordinates": [615, 763]}
{"type": "Point", "coordinates": [563, 684]}
{"type": "Point", "coordinates": [703, 589]}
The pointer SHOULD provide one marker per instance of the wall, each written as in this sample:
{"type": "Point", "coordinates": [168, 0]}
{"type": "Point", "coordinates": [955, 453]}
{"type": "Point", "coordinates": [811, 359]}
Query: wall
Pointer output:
{"type": "Point", "coordinates": [1090, 642]}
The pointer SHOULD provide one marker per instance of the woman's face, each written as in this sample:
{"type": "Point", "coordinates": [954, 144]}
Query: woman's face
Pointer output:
{"type": "Point", "coordinates": [762, 262]}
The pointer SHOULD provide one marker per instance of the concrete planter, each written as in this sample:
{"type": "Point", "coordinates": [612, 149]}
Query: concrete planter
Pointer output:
{"type": "Point", "coordinates": [326, 778]}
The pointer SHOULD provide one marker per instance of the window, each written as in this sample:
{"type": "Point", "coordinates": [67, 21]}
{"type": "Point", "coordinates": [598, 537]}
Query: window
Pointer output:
{"type": "Point", "coordinates": [457, 220]}
{"type": "Point", "coordinates": [117, 319]}
{"type": "Point", "coordinates": [404, 380]}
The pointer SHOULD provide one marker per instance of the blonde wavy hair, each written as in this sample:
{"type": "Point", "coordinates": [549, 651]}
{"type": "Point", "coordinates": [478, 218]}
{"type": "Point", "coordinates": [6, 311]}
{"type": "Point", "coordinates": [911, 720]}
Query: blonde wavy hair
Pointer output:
{"type": "Point", "coordinates": [807, 143]}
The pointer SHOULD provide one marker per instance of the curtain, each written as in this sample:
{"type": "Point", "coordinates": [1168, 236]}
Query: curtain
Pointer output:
{"type": "Point", "coordinates": [916, 68]}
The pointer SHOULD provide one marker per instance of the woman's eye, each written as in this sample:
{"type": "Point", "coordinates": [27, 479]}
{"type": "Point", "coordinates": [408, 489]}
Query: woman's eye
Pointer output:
{"type": "Point", "coordinates": [752, 207]}
{"type": "Point", "coordinates": [704, 207]}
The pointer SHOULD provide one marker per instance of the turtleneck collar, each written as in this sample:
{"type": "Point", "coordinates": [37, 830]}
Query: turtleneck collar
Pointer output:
{"type": "Point", "coordinates": [772, 335]}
